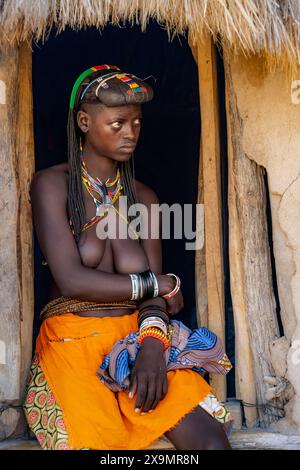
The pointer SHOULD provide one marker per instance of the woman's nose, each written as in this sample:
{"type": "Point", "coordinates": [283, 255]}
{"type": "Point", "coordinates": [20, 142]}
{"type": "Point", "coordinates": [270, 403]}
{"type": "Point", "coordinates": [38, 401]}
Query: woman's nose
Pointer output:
{"type": "Point", "coordinates": [130, 132]}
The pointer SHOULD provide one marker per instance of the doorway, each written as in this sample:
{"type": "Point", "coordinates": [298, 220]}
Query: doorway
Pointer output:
{"type": "Point", "coordinates": [167, 155]}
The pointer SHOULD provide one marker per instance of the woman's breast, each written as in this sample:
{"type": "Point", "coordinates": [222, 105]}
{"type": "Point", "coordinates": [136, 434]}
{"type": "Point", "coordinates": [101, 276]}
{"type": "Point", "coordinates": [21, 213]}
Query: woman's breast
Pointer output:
{"type": "Point", "coordinates": [111, 254]}
{"type": "Point", "coordinates": [92, 250]}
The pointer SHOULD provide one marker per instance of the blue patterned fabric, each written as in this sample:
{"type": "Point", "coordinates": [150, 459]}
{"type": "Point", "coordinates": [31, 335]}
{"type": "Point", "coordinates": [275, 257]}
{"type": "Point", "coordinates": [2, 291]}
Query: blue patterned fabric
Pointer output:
{"type": "Point", "coordinates": [200, 350]}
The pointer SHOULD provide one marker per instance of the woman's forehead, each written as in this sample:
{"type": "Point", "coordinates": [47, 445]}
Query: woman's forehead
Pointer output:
{"type": "Point", "coordinates": [129, 110]}
{"type": "Point", "coordinates": [124, 110]}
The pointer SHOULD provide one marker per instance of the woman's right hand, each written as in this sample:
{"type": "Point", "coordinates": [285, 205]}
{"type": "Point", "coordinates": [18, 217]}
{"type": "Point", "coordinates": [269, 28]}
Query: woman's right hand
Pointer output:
{"type": "Point", "coordinates": [166, 284]}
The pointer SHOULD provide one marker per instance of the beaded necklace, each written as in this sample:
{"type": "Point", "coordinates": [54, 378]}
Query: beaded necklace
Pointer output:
{"type": "Point", "coordinates": [104, 199]}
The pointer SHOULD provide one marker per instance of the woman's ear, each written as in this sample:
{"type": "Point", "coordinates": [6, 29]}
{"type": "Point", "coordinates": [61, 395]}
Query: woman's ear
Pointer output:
{"type": "Point", "coordinates": [83, 121]}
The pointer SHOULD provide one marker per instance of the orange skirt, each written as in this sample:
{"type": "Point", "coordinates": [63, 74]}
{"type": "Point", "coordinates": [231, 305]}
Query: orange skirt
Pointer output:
{"type": "Point", "coordinates": [67, 406]}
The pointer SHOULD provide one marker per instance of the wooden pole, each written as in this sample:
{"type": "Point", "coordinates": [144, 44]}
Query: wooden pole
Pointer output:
{"type": "Point", "coordinates": [16, 258]}
{"type": "Point", "coordinates": [9, 206]}
{"type": "Point", "coordinates": [26, 168]}
{"type": "Point", "coordinates": [200, 262]}
{"type": "Point", "coordinates": [244, 367]}
{"type": "Point", "coordinates": [210, 145]}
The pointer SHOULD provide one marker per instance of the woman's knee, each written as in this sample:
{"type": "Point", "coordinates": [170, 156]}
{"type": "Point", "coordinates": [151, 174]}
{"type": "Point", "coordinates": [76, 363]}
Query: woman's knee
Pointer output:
{"type": "Point", "coordinates": [216, 442]}
{"type": "Point", "coordinates": [199, 431]}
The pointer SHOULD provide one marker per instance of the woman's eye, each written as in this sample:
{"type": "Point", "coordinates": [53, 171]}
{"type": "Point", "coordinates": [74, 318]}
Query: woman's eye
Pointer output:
{"type": "Point", "coordinates": [116, 124]}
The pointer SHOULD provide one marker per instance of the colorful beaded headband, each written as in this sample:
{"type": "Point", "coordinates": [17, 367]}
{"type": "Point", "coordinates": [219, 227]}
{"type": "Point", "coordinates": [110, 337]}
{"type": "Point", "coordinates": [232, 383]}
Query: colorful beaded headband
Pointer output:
{"type": "Point", "coordinates": [85, 74]}
{"type": "Point", "coordinates": [102, 80]}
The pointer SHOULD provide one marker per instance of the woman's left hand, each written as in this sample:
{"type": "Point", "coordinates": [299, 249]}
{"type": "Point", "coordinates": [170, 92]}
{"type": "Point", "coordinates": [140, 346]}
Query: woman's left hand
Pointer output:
{"type": "Point", "coordinates": [175, 304]}
{"type": "Point", "coordinates": [149, 376]}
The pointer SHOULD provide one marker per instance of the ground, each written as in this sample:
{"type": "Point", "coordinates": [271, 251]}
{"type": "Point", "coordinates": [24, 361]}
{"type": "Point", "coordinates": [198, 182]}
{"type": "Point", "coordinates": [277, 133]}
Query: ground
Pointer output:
{"type": "Point", "coordinates": [254, 440]}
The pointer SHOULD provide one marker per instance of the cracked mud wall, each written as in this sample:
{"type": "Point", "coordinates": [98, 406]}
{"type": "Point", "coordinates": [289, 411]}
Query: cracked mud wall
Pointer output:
{"type": "Point", "coordinates": [271, 138]}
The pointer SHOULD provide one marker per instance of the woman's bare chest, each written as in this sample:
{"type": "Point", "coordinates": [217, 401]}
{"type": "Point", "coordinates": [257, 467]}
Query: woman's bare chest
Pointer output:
{"type": "Point", "coordinates": [110, 244]}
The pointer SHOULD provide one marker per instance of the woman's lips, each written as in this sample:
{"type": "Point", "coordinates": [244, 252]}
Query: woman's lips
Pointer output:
{"type": "Point", "coordinates": [128, 147]}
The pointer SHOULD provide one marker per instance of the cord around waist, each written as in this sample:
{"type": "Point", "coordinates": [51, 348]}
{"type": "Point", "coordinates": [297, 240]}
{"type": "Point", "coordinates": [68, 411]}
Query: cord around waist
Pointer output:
{"type": "Point", "coordinates": [67, 304]}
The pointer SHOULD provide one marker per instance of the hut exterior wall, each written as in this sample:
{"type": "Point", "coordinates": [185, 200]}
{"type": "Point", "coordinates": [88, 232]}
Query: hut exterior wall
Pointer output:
{"type": "Point", "coordinates": [16, 241]}
{"type": "Point", "coordinates": [269, 111]}
{"type": "Point", "coordinates": [9, 292]}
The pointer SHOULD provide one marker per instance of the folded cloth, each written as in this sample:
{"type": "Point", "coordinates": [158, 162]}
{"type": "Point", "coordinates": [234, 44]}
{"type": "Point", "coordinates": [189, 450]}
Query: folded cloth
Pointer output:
{"type": "Point", "coordinates": [200, 350]}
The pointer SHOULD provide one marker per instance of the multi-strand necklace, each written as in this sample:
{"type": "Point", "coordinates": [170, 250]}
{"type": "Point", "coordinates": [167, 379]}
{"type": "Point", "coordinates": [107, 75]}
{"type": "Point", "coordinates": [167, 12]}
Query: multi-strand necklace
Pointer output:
{"type": "Point", "coordinates": [103, 198]}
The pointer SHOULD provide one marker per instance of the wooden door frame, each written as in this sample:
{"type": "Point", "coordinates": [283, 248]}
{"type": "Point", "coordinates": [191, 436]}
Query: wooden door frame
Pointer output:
{"type": "Point", "coordinates": [209, 281]}
{"type": "Point", "coordinates": [24, 168]}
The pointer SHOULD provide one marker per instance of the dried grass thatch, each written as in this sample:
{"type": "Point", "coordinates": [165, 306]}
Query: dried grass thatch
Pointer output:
{"type": "Point", "coordinates": [265, 27]}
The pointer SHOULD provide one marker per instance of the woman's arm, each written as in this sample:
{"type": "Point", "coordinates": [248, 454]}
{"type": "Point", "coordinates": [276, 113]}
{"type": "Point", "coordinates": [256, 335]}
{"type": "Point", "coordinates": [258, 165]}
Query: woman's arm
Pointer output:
{"type": "Point", "coordinates": [151, 247]}
{"type": "Point", "coordinates": [153, 250]}
{"type": "Point", "coordinates": [149, 377]}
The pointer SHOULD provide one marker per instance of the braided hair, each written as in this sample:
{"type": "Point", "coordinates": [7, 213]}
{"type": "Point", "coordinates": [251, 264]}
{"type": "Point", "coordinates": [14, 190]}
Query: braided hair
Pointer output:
{"type": "Point", "coordinates": [108, 85]}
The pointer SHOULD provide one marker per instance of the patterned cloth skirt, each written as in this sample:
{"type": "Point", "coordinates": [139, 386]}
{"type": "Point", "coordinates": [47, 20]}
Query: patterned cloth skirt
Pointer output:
{"type": "Point", "coordinates": [68, 407]}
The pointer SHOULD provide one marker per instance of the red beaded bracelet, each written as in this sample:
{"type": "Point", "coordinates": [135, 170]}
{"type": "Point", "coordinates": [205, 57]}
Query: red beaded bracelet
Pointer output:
{"type": "Point", "coordinates": [154, 333]}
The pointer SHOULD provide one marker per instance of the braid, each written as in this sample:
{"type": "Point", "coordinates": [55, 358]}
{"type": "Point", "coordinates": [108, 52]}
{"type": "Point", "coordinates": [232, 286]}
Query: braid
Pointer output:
{"type": "Point", "coordinates": [127, 175]}
{"type": "Point", "coordinates": [76, 208]}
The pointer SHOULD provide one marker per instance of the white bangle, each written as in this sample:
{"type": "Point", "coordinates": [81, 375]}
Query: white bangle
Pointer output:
{"type": "Point", "coordinates": [134, 286]}
{"type": "Point", "coordinates": [155, 284]}
{"type": "Point", "coordinates": [154, 322]}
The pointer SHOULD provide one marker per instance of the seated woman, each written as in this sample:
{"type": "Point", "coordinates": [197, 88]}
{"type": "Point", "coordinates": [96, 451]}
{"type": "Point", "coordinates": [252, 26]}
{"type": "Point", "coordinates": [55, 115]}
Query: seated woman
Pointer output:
{"type": "Point", "coordinates": [105, 288]}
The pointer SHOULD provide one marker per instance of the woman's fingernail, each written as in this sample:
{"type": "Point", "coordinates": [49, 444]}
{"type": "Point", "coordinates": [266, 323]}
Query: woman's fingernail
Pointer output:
{"type": "Point", "coordinates": [130, 395]}
{"type": "Point", "coordinates": [150, 411]}
{"type": "Point", "coordinates": [143, 413]}
{"type": "Point", "coordinates": [137, 410]}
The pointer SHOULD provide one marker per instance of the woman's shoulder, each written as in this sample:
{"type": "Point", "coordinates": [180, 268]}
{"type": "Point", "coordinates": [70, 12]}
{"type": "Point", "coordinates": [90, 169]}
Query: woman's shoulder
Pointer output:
{"type": "Point", "coordinates": [145, 194]}
{"type": "Point", "coordinates": [53, 178]}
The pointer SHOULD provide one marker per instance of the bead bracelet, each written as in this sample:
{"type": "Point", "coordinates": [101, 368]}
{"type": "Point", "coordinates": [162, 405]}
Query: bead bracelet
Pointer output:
{"type": "Point", "coordinates": [154, 333]}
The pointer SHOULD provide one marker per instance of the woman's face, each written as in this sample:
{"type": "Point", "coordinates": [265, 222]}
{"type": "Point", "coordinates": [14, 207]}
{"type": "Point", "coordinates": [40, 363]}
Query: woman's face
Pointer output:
{"type": "Point", "coordinates": [112, 132]}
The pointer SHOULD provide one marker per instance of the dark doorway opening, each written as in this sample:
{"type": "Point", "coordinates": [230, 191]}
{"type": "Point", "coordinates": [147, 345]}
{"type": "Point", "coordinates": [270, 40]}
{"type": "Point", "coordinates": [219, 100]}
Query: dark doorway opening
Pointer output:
{"type": "Point", "coordinates": [167, 155]}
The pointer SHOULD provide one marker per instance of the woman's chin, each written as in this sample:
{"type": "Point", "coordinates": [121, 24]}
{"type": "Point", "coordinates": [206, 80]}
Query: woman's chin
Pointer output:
{"type": "Point", "coordinates": [125, 153]}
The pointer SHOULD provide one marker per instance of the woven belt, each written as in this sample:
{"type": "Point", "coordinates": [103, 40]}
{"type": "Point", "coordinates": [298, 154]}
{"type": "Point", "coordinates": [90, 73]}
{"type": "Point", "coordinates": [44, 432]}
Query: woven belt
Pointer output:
{"type": "Point", "coordinates": [67, 304]}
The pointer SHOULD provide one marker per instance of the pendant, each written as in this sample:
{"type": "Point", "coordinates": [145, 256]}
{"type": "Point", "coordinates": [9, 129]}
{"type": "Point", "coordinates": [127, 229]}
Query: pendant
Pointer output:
{"type": "Point", "coordinates": [104, 207]}
{"type": "Point", "coordinates": [107, 200]}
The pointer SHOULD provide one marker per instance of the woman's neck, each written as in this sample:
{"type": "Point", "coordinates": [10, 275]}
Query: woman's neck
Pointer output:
{"type": "Point", "coordinates": [98, 166]}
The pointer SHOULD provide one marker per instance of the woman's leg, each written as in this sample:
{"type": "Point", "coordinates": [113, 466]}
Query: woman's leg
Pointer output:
{"type": "Point", "coordinates": [198, 431]}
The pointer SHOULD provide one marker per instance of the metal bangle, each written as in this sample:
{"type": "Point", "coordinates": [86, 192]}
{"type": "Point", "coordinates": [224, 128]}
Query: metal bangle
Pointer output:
{"type": "Point", "coordinates": [148, 284]}
{"type": "Point", "coordinates": [140, 287]}
{"type": "Point", "coordinates": [134, 286]}
{"type": "Point", "coordinates": [155, 294]}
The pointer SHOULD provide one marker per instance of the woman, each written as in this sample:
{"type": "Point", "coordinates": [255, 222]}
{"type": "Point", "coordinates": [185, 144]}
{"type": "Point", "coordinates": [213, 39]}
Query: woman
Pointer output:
{"type": "Point", "coordinates": [105, 288]}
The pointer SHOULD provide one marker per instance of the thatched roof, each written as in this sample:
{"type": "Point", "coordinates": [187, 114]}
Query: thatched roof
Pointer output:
{"type": "Point", "coordinates": [250, 26]}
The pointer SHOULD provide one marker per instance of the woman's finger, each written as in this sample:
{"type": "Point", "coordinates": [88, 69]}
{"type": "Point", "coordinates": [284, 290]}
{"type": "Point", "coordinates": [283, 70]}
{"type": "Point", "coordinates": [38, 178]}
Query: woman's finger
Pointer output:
{"type": "Point", "coordinates": [153, 383]}
{"type": "Point", "coordinates": [133, 385]}
{"type": "Point", "coordinates": [165, 387]}
{"type": "Point", "coordinates": [141, 392]}
{"type": "Point", "coordinates": [158, 396]}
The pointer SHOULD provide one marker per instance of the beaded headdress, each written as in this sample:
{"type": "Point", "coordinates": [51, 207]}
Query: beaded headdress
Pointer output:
{"type": "Point", "coordinates": [110, 86]}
